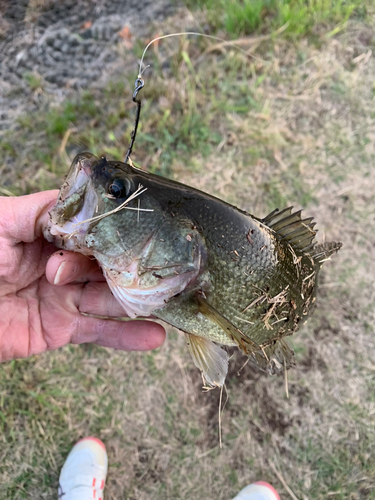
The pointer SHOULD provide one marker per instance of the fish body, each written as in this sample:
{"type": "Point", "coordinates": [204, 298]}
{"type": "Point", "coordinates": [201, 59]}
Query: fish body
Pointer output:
{"type": "Point", "coordinates": [219, 274]}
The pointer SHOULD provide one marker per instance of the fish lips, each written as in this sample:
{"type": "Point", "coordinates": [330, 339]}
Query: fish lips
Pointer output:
{"type": "Point", "coordinates": [75, 206]}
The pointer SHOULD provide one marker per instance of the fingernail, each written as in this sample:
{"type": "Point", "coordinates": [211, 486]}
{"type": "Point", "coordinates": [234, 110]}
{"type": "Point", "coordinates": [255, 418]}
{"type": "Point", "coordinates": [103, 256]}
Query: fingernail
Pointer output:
{"type": "Point", "coordinates": [65, 272]}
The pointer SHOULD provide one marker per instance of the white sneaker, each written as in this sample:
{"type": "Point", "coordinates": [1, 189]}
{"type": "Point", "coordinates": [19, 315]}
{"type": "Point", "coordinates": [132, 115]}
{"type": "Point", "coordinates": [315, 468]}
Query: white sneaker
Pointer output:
{"type": "Point", "coordinates": [258, 491]}
{"type": "Point", "coordinates": [84, 471]}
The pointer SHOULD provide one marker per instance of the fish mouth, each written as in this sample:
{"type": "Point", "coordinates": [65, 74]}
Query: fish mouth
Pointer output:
{"type": "Point", "coordinates": [76, 205]}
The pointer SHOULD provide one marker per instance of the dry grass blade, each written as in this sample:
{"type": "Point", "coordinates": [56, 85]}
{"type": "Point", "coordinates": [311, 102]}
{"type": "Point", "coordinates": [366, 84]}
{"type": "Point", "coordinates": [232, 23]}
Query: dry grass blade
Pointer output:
{"type": "Point", "coordinates": [221, 410]}
{"type": "Point", "coordinates": [64, 142]}
{"type": "Point", "coordinates": [123, 205]}
{"type": "Point", "coordinates": [286, 380]}
{"type": "Point", "coordinates": [282, 480]}
{"type": "Point", "coordinates": [5, 192]}
{"type": "Point", "coordinates": [220, 399]}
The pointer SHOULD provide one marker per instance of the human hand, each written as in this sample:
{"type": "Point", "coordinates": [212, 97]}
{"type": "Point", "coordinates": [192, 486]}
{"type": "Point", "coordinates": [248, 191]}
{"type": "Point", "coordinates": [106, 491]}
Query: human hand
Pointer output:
{"type": "Point", "coordinates": [43, 291]}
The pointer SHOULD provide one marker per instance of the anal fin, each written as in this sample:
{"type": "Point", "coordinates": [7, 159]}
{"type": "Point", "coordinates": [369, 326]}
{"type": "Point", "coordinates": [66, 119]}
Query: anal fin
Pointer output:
{"type": "Point", "coordinates": [210, 358]}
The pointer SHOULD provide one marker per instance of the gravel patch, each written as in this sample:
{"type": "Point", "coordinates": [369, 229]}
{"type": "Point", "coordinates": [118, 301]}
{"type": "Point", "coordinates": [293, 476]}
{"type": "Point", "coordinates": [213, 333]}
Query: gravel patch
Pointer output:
{"type": "Point", "coordinates": [66, 44]}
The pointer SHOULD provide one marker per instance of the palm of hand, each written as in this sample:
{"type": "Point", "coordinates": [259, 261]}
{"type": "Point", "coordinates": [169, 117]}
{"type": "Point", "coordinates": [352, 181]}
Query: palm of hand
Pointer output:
{"type": "Point", "coordinates": [35, 314]}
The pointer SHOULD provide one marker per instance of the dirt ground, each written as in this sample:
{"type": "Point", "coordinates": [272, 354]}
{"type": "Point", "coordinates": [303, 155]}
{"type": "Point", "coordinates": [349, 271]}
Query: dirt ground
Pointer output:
{"type": "Point", "coordinates": [293, 125]}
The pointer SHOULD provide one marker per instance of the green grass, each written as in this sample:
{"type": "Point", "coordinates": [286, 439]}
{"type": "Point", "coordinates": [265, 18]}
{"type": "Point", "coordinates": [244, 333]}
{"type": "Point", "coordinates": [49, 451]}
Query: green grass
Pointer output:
{"type": "Point", "coordinates": [297, 17]}
{"type": "Point", "coordinates": [102, 123]}
{"type": "Point", "coordinates": [34, 80]}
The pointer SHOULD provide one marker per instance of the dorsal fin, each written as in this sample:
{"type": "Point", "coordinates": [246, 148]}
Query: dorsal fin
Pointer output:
{"type": "Point", "coordinates": [299, 233]}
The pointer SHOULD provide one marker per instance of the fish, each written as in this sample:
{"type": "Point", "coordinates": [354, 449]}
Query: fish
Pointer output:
{"type": "Point", "coordinates": [217, 273]}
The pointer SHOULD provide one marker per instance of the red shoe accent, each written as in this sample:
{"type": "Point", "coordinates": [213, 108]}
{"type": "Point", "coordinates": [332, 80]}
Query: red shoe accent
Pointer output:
{"type": "Point", "coordinates": [97, 440]}
{"type": "Point", "coordinates": [270, 487]}
{"type": "Point", "coordinates": [93, 482]}
{"type": "Point", "coordinates": [102, 485]}
{"type": "Point", "coordinates": [94, 493]}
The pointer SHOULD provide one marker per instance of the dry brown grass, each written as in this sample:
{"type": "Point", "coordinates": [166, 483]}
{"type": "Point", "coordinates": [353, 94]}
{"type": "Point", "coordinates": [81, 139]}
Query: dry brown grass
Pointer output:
{"type": "Point", "coordinates": [308, 141]}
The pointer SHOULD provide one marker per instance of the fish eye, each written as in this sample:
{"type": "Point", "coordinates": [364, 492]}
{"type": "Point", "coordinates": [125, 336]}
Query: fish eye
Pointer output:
{"type": "Point", "coordinates": [119, 188]}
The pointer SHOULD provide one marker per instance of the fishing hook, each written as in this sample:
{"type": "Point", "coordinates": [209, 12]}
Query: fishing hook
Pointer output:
{"type": "Point", "coordinates": [139, 84]}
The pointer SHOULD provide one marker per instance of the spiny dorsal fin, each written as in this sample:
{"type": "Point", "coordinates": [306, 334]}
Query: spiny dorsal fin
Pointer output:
{"type": "Point", "coordinates": [299, 233]}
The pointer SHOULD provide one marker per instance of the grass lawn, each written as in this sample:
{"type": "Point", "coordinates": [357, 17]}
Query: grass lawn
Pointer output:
{"type": "Point", "coordinates": [287, 120]}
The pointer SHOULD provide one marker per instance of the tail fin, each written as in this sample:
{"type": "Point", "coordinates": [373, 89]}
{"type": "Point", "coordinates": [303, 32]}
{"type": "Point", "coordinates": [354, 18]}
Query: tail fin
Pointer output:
{"type": "Point", "coordinates": [323, 252]}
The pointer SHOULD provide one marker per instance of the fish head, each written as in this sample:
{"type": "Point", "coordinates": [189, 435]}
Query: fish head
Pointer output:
{"type": "Point", "coordinates": [93, 189]}
{"type": "Point", "coordinates": [119, 214]}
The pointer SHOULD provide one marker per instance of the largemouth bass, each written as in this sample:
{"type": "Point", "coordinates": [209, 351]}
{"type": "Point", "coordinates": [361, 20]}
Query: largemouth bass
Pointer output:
{"type": "Point", "coordinates": [218, 273]}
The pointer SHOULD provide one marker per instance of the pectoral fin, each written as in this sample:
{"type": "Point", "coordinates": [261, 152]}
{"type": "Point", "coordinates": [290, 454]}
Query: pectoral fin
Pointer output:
{"type": "Point", "coordinates": [247, 345]}
{"type": "Point", "coordinates": [210, 358]}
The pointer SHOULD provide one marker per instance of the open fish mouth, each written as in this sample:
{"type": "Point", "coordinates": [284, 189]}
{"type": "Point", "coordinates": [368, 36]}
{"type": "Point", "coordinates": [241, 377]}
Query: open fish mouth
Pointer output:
{"type": "Point", "coordinates": [75, 207]}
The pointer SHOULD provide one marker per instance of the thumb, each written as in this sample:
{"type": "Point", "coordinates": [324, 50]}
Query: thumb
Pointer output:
{"type": "Point", "coordinates": [24, 217]}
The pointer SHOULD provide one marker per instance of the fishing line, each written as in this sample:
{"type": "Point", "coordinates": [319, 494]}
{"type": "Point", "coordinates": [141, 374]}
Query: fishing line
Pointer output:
{"type": "Point", "coordinates": [193, 33]}
{"type": "Point", "coordinates": [139, 82]}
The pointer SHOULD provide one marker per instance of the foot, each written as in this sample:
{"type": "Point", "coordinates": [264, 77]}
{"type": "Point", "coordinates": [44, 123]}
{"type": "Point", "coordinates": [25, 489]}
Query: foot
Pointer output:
{"type": "Point", "coordinates": [258, 491]}
{"type": "Point", "coordinates": [84, 471]}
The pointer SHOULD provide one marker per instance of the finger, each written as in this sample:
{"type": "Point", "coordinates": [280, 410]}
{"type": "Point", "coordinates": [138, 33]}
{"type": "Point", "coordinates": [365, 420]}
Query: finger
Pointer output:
{"type": "Point", "coordinates": [66, 267]}
{"type": "Point", "coordinates": [63, 322]}
{"type": "Point", "coordinates": [96, 298]}
{"type": "Point", "coordinates": [122, 335]}
{"type": "Point", "coordinates": [26, 215]}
